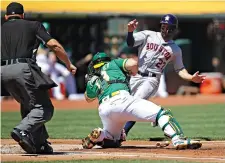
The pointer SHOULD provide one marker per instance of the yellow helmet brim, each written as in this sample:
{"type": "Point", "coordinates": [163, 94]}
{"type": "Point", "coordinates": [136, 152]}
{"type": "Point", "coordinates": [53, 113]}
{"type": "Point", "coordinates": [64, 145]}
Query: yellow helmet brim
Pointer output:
{"type": "Point", "coordinates": [99, 65]}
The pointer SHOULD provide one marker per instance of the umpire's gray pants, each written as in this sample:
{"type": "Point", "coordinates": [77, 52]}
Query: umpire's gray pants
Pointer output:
{"type": "Point", "coordinates": [36, 107]}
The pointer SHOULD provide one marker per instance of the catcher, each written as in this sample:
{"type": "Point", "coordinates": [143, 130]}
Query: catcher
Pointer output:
{"type": "Point", "coordinates": [107, 80]}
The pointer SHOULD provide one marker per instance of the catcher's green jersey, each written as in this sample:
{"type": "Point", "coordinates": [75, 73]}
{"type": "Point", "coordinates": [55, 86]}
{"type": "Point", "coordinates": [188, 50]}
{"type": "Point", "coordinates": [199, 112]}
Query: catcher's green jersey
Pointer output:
{"type": "Point", "coordinates": [99, 86]}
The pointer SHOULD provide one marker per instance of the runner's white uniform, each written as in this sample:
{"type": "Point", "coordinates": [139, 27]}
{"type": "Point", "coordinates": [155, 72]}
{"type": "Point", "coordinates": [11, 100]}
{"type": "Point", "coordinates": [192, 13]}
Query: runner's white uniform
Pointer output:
{"type": "Point", "coordinates": [153, 56]}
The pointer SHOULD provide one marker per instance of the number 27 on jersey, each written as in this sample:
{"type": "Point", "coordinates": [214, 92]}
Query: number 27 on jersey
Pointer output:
{"type": "Point", "coordinates": [160, 64]}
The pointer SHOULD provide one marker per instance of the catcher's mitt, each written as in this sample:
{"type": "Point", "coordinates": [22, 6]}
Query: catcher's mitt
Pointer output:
{"type": "Point", "coordinates": [91, 72]}
{"type": "Point", "coordinates": [90, 69]}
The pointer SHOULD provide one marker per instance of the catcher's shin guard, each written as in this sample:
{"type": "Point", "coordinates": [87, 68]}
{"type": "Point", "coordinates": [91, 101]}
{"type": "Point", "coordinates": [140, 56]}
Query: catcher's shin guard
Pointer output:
{"type": "Point", "coordinates": [91, 140]}
{"type": "Point", "coordinates": [171, 121]}
{"type": "Point", "coordinates": [165, 118]}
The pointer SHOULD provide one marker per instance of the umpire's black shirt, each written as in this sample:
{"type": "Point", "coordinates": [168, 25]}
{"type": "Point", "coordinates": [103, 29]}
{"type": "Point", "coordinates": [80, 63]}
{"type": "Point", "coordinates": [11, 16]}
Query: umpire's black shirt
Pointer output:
{"type": "Point", "coordinates": [21, 38]}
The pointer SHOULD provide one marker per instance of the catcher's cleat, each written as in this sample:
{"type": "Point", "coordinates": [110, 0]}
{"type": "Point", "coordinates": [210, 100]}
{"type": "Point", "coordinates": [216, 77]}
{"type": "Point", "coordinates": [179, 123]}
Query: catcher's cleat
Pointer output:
{"type": "Point", "coordinates": [107, 143]}
{"type": "Point", "coordinates": [186, 143]}
{"type": "Point", "coordinates": [91, 140]}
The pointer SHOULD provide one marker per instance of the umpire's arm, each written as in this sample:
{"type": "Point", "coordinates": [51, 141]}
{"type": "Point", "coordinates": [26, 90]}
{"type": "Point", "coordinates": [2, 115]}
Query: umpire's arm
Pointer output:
{"type": "Point", "coordinates": [52, 44]}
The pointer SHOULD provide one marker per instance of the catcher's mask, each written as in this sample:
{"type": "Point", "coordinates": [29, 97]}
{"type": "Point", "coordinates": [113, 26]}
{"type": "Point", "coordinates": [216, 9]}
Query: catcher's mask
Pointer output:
{"type": "Point", "coordinates": [169, 25]}
{"type": "Point", "coordinates": [100, 59]}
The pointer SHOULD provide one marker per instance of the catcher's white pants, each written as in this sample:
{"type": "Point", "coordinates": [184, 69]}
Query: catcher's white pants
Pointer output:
{"type": "Point", "coordinates": [117, 110]}
{"type": "Point", "coordinates": [144, 87]}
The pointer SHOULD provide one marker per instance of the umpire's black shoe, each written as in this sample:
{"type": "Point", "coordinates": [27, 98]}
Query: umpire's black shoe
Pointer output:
{"type": "Point", "coordinates": [24, 140]}
{"type": "Point", "coordinates": [45, 148]}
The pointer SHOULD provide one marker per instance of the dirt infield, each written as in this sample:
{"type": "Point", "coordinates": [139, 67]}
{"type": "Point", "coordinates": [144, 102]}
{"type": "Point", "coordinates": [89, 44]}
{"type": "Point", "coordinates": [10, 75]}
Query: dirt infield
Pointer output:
{"type": "Point", "coordinates": [72, 150]}
{"type": "Point", "coordinates": [11, 105]}
{"type": "Point", "coordinates": [212, 151]}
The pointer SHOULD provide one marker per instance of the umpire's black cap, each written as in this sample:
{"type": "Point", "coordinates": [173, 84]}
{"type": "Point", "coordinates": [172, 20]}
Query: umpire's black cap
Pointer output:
{"type": "Point", "coordinates": [14, 8]}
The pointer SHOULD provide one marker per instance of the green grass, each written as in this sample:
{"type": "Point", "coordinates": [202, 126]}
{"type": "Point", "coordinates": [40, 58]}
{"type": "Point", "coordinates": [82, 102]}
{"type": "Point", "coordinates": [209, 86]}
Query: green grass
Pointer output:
{"type": "Point", "coordinates": [199, 121]}
{"type": "Point", "coordinates": [111, 161]}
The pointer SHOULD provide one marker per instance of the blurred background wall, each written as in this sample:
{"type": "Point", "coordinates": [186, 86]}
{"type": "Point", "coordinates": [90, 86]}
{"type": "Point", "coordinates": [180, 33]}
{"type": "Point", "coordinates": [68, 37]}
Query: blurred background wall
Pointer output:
{"type": "Point", "coordinates": [85, 28]}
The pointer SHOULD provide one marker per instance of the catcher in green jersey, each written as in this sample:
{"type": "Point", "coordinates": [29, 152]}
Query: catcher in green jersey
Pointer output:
{"type": "Point", "coordinates": [107, 81]}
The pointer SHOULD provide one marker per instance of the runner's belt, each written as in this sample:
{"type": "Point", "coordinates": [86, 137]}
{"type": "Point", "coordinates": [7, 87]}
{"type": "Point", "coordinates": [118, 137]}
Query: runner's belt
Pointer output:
{"type": "Point", "coordinates": [147, 74]}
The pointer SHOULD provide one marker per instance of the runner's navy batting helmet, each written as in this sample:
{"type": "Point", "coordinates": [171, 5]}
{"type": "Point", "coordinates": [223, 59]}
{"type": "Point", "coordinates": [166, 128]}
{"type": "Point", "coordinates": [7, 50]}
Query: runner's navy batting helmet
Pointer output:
{"type": "Point", "coordinates": [172, 22]}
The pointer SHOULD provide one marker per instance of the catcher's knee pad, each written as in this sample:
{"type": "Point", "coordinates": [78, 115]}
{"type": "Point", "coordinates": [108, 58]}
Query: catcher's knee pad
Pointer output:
{"type": "Point", "coordinates": [171, 122]}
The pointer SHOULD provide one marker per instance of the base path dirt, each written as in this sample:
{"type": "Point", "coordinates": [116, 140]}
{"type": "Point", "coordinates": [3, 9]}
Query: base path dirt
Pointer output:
{"type": "Point", "coordinates": [212, 151]}
{"type": "Point", "coordinates": [12, 105]}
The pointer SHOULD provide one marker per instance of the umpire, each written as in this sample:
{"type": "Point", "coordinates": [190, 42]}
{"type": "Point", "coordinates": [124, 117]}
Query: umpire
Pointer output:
{"type": "Point", "coordinates": [23, 79]}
